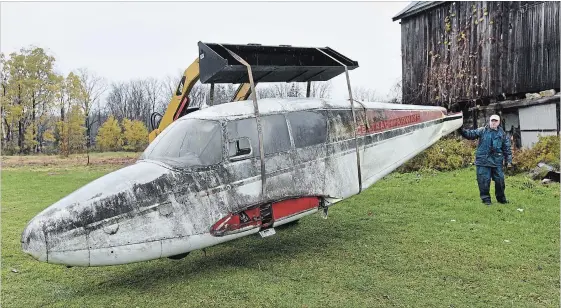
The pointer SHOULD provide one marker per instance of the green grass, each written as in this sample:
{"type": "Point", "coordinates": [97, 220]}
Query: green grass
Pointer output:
{"type": "Point", "coordinates": [411, 240]}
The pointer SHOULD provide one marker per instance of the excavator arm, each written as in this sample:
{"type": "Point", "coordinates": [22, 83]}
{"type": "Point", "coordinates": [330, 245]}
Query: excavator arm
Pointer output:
{"type": "Point", "coordinates": [180, 100]}
{"type": "Point", "coordinates": [243, 92]}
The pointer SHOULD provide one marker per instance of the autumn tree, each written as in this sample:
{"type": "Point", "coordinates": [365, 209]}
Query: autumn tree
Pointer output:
{"type": "Point", "coordinates": [109, 135]}
{"type": "Point", "coordinates": [135, 135]}
{"type": "Point", "coordinates": [14, 103]}
{"type": "Point", "coordinates": [41, 84]}
{"type": "Point", "coordinates": [5, 103]}
{"type": "Point", "coordinates": [70, 128]}
{"type": "Point", "coordinates": [72, 131]}
{"type": "Point", "coordinates": [76, 129]}
{"type": "Point", "coordinates": [27, 96]}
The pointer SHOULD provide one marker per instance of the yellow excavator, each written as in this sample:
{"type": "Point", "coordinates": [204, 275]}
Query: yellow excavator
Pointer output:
{"type": "Point", "coordinates": [217, 64]}
{"type": "Point", "coordinates": [179, 104]}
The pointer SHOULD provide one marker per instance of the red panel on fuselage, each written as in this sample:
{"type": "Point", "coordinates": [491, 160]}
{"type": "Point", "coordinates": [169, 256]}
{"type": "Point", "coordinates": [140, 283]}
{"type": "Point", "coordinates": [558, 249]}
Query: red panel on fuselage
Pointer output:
{"type": "Point", "coordinates": [291, 207]}
{"type": "Point", "coordinates": [233, 222]}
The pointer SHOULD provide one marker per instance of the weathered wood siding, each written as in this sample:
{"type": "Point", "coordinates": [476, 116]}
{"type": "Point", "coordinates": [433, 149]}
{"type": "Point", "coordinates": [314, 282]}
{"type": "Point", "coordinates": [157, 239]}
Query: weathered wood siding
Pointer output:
{"type": "Point", "coordinates": [461, 51]}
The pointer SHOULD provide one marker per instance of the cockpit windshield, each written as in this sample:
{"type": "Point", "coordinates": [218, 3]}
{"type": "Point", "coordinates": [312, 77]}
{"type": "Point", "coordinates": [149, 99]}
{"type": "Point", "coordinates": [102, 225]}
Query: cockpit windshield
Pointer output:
{"type": "Point", "coordinates": [188, 142]}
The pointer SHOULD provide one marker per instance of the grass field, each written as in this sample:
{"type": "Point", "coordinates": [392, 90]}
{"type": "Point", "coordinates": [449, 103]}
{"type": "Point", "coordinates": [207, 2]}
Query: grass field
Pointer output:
{"type": "Point", "coordinates": [411, 240]}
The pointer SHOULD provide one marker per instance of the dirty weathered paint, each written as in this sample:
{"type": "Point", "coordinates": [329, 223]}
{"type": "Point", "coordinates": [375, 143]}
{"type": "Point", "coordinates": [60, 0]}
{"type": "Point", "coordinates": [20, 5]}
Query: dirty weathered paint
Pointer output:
{"type": "Point", "coordinates": [165, 206]}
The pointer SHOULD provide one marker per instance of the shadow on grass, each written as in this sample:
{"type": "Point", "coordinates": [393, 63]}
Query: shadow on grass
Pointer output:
{"type": "Point", "coordinates": [311, 238]}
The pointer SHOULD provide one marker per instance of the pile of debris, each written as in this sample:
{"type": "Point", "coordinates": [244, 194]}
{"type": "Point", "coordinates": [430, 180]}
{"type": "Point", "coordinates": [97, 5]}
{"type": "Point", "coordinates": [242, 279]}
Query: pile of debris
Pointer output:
{"type": "Point", "coordinates": [546, 93]}
{"type": "Point", "coordinates": [546, 173]}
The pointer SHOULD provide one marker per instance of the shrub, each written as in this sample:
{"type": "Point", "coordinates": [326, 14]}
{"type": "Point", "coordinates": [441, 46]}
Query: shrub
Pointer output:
{"type": "Point", "coordinates": [546, 150]}
{"type": "Point", "coordinates": [10, 149]}
{"type": "Point", "coordinates": [449, 153]}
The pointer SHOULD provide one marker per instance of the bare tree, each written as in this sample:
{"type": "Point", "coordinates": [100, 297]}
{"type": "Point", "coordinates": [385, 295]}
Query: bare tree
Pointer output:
{"type": "Point", "coordinates": [318, 89]}
{"type": "Point", "coordinates": [284, 90]}
{"type": "Point", "coordinates": [265, 91]}
{"type": "Point", "coordinates": [395, 95]}
{"type": "Point", "coordinates": [139, 105]}
{"type": "Point", "coordinates": [170, 85]}
{"type": "Point", "coordinates": [321, 89]}
{"type": "Point", "coordinates": [223, 93]}
{"type": "Point", "coordinates": [198, 94]}
{"type": "Point", "coordinates": [94, 86]}
{"type": "Point", "coordinates": [154, 90]}
{"type": "Point", "coordinates": [365, 94]}
{"type": "Point", "coordinates": [118, 100]}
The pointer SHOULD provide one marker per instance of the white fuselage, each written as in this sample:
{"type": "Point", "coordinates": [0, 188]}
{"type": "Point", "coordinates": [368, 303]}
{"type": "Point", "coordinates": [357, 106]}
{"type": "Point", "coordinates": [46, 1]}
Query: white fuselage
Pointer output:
{"type": "Point", "coordinates": [155, 209]}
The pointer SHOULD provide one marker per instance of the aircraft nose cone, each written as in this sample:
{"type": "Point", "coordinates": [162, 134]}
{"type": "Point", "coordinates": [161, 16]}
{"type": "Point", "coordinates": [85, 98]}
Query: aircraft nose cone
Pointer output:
{"type": "Point", "coordinates": [33, 240]}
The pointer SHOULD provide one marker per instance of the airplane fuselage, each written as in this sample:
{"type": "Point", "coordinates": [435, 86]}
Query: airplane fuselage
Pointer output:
{"type": "Point", "coordinates": [200, 182]}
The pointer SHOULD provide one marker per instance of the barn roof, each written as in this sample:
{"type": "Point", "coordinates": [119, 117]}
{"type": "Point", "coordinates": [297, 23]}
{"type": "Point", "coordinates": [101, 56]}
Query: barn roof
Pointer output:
{"type": "Point", "coordinates": [416, 7]}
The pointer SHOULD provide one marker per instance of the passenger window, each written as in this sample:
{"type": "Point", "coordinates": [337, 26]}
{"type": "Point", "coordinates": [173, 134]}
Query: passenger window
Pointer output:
{"type": "Point", "coordinates": [308, 128]}
{"type": "Point", "coordinates": [242, 137]}
{"type": "Point", "coordinates": [341, 125]}
{"type": "Point", "coordinates": [275, 134]}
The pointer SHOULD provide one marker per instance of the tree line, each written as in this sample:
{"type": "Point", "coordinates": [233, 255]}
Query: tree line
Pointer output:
{"type": "Point", "coordinates": [45, 111]}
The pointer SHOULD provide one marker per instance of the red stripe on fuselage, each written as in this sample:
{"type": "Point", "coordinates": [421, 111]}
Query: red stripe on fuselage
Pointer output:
{"type": "Point", "coordinates": [383, 120]}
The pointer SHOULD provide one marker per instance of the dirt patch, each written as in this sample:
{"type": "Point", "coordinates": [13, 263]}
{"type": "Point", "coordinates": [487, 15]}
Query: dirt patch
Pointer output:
{"type": "Point", "coordinates": [100, 159]}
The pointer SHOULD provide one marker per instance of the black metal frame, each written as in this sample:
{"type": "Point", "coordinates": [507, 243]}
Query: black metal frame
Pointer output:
{"type": "Point", "coordinates": [270, 63]}
{"type": "Point", "coordinates": [219, 63]}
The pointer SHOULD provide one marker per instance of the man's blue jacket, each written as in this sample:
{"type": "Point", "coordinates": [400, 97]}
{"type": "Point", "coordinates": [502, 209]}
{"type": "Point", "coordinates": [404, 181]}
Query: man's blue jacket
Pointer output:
{"type": "Point", "coordinates": [494, 146]}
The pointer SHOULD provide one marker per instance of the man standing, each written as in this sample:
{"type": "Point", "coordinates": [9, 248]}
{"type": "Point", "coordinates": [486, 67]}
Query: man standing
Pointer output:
{"type": "Point", "coordinates": [493, 150]}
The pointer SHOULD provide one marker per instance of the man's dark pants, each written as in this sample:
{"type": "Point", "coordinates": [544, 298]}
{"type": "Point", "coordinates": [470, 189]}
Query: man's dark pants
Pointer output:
{"type": "Point", "coordinates": [484, 176]}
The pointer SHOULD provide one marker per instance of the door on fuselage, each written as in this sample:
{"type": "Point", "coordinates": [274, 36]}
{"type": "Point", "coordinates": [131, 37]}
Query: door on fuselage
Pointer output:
{"type": "Point", "coordinates": [279, 166]}
{"type": "Point", "coordinates": [309, 131]}
{"type": "Point", "coordinates": [244, 163]}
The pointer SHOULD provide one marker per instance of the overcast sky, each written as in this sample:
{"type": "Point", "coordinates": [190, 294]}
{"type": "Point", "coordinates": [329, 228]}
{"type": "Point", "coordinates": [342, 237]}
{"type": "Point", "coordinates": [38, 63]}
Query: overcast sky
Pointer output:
{"type": "Point", "coordinates": [126, 40]}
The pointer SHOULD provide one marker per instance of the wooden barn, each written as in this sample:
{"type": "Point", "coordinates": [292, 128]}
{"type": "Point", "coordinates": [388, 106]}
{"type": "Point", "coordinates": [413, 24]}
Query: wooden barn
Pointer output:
{"type": "Point", "coordinates": [482, 57]}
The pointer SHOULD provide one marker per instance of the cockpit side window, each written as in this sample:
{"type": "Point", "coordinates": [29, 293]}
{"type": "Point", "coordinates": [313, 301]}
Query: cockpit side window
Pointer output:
{"type": "Point", "coordinates": [189, 142]}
